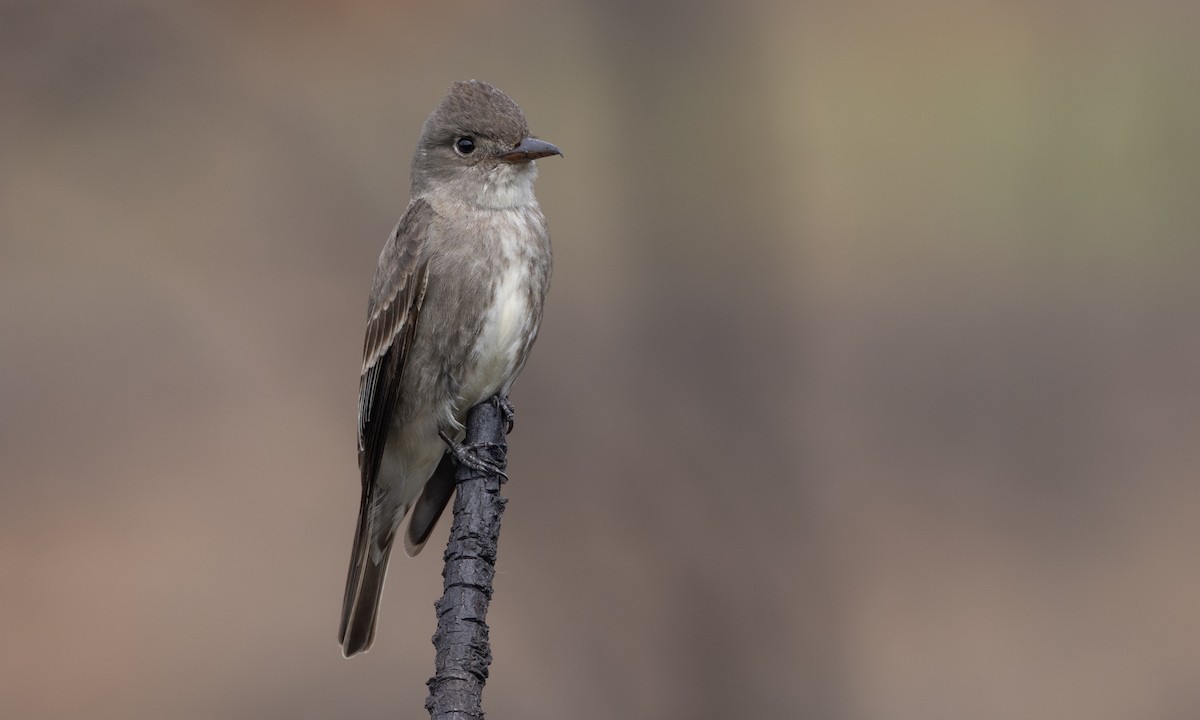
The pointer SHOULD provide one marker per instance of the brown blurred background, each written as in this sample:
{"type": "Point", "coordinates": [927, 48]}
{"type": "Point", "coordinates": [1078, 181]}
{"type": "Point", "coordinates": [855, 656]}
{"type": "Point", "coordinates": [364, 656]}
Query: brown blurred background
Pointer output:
{"type": "Point", "coordinates": [867, 387]}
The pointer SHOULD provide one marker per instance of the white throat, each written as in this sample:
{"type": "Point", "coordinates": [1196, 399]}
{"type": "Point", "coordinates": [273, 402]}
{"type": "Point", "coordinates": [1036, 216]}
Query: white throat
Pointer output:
{"type": "Point", "coordinates": [506, 186]}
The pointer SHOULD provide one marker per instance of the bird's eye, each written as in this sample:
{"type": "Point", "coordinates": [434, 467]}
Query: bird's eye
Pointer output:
{"type": "Point", "coordinates": [464, 145]}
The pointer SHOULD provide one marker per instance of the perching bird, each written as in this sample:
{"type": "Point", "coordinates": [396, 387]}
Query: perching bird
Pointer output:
{"type": "Point", "coordinates": [455, 306]}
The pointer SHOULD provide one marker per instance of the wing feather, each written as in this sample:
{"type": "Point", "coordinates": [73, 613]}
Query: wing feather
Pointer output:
{"type": "Point", "coordinates": [395, 307]}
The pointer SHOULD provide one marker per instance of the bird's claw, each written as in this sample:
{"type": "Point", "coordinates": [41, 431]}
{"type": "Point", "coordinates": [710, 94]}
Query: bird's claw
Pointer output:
{"type": "Point", "coordinates": [507, 410]}
{"type": "Point", "coordinates": [468, 456]}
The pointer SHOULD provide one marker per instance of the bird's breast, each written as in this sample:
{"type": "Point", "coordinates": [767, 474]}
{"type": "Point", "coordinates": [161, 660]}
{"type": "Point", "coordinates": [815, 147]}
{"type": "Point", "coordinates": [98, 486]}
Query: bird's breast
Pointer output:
{"type": "Point", "coordinates": [508, 322]}
{"type": "Point", "coordinates": [503, 334]}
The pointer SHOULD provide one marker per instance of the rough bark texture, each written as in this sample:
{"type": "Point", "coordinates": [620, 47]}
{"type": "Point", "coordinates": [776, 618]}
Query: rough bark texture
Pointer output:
{"type": "Point", "coordinates": [461, 640]}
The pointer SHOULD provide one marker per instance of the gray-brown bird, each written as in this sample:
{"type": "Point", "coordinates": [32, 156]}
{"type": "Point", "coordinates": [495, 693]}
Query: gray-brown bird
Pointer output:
{"type": "Point", "coordinates": [455, 306]}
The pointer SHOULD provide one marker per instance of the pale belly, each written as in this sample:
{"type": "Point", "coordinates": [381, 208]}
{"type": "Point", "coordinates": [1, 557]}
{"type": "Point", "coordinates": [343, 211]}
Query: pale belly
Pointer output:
{"type": "Point", "coordinates": [414, 448]}
{"type": "Point", "coordinates": [497, 355]}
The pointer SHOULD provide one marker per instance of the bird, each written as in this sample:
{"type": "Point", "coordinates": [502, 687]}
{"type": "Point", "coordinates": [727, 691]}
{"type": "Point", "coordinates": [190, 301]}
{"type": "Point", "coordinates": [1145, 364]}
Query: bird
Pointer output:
{"type": "Point", "coordinates": [455, 306]}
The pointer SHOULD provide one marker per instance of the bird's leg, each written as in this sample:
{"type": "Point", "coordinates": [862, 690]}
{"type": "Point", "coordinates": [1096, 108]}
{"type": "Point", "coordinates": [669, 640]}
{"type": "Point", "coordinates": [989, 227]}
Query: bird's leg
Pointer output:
{"type": "Point", "coordinates": [507, 410]}
{"type": "Point", "coordinates": [468, 455]}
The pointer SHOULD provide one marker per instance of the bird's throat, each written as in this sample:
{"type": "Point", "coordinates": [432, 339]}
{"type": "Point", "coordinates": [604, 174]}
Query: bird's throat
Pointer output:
{"type": "Point", "coordinates": [506, 186]}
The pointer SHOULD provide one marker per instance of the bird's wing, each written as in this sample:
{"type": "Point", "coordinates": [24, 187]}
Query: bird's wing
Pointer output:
{"type": "Point", "coordinates": [395, 306]}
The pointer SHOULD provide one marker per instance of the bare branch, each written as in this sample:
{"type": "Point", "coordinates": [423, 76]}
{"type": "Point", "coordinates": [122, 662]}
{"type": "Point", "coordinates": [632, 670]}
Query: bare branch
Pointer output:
{"type": "Point", "coordinates": [461, 640]}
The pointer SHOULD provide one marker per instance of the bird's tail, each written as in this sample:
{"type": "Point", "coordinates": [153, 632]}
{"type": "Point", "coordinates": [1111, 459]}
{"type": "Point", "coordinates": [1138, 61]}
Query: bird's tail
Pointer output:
{"type": "Point", "coordinates": [429, 506]}
{"type": "Point", "coordinates": [364, 582]}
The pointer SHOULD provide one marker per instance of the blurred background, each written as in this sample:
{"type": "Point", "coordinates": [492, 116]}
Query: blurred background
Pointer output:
{"type": "Point", "coordinates": [867, 387]}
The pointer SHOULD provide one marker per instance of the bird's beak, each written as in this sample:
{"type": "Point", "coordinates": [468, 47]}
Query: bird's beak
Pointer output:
{"type": "Point", "coordinates": [529, 149]}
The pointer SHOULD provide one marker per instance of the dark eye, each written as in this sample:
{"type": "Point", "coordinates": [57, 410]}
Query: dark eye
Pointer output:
{"type": "Point", "coordinates": [465, 145]}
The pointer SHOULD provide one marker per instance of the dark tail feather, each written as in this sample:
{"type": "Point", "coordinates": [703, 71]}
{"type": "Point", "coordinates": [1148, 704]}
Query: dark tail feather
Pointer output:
{"type": "Point", "coordinates": [364, 584]}
{"type": "Point", "coordinates": [429, 506]}
{"type": "Point", "coordinates": [360, 616]}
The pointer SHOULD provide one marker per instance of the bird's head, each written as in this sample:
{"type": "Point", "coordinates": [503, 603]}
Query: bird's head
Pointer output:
{"type": "Point", "coordinates": [476, 148]}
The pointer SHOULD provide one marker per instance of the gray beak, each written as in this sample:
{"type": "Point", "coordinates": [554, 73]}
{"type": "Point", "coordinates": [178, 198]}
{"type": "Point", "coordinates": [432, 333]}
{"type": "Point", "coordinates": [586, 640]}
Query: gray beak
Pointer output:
{"type": "Point", "coordinates": [529, 149]}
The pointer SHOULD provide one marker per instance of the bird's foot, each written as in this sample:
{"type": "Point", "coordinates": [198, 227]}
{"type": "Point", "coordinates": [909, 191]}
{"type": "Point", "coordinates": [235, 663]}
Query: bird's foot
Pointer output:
{"type": "Point", "coordinates": [469, 456]}
{"type": "Point", "coordinates": [507, 410]}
